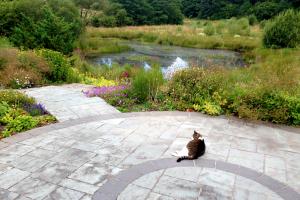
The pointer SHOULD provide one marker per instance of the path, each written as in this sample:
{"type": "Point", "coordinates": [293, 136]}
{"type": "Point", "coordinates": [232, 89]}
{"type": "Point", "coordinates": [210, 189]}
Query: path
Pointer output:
{"type": "Point", "coordinates": [68, 102]}
{"type": "Point", "coordinates": [81, 158]}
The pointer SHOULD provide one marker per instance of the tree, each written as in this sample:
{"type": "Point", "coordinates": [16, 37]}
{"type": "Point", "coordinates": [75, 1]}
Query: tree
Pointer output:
{"type": "Point", "coordinates": [191, 8]}
{"type": "Point", "coordinates": [50, 32]}
{"type": "Point", "coordinates": [267, 10]}
{"type": "Point", "coordinates": [139, 11]}
{"type": "Point", "coordinates": [166, 12]}
{"type": "Point", "coordinates": [53, 24]}
{"type": "Point", "coordinates": [283, 31]}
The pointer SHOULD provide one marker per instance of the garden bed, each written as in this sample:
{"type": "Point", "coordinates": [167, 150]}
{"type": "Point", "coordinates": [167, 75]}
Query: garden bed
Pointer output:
{"type": "Point", "coordinates": [19, 113]}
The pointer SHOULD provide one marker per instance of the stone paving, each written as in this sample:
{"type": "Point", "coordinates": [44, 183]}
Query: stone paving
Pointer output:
{"type": "Point", "coordinates": [202, 183]}
{"type": "Point", "coordinates": [67, 102]}
{"type": "Point", "coordinates": [75, 159]}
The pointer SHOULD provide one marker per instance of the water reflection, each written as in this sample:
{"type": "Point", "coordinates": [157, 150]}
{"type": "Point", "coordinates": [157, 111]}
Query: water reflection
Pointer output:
{"type": "Point", "coordinates": [170, 58]}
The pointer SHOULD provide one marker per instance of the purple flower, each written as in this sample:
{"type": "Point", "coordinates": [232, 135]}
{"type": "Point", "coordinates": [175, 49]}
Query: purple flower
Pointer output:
{"type": "Point", "coordinates": [35, 109]}
{"type": "Point", "coordinates": [105, 90]}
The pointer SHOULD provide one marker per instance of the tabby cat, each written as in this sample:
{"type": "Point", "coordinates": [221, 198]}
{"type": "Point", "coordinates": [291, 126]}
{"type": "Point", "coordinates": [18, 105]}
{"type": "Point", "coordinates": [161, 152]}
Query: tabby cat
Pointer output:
{"type": "Point", "coordinates": [194, 149]}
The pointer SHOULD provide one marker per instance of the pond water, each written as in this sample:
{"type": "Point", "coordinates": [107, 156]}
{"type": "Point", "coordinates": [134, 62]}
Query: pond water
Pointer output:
{"type": "Point", "coordinates": [170, 58]}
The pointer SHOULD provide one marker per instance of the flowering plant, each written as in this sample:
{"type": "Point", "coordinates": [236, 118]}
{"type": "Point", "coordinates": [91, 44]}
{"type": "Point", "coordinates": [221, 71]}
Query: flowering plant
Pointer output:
{"type": "Point", "coordinates": [106, 90]}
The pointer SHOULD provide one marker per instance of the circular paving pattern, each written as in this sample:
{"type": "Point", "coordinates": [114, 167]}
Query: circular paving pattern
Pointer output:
{"type": "Point", "coordinates": [74, 159]}
{"type": "Point", "coordinates": [174, 188]}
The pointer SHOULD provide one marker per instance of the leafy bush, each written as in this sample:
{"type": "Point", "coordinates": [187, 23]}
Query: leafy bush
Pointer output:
{"type": "Point", "coordinates": [4, 108]}
{"type": "Point", "coordinates": [283, 31]}
{"type": "Point", "coordinates": [268, 9]}
{"type": "Point", "coordinates": [146, 84]}
{"type": "Point", "coordinates": [252, 20]}
{"type": "Point", "coordinates": [40, 24]}
{"type": "Point", "coordinates": [59, 65]}
{"type": "Point", "coordinates": [14, 98]}
{"type": "Point", "coordinates": [103, 20]}
{"type": "Point", "coordinates": [19, 124]}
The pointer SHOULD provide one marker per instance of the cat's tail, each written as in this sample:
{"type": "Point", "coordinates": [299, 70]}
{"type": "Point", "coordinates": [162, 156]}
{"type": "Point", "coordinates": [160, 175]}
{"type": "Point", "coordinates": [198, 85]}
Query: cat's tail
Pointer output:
{"type": "Point", "coordinates": [185, 158]}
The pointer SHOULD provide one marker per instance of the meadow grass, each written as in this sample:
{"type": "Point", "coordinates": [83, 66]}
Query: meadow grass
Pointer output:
{"type": "Point", "coordinates": [228, 34]}
{"type": "Point", "coordinates": [95, 46]}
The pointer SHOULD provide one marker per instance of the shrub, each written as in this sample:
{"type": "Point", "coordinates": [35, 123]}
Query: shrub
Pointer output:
{"type": "Point", "coordinates": [19, 124]}
{"type": "Point", "coordinates": [252, 20]}
{"type": "Point", "coordinates": [283, 31]}
{"type": "Point", "coordinates": [103, 20]}
{"type": "Point", "coordinates": [59, 65]}
{"type": "Point", "coordinates": [40, 24]}
{"type": "Point", "coordinates": [268, 9]}
{"type": "Point", "coordinates": [22, 69]}
{"type": "Point", "coordinates": [4, 108]}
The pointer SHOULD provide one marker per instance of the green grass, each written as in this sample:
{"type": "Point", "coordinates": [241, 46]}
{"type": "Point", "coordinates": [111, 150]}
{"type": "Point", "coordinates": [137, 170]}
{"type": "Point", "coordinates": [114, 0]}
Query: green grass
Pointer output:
{"type": "Point", "coordinates": [231, 34]}
{"type": "Point", "coordinates": [95, 46]}
{"type": "Point", "coordinates": [4, 43]}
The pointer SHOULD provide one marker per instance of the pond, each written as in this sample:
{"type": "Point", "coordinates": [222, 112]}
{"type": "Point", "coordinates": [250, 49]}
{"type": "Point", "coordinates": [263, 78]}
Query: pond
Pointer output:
{"type": "Point", "coordinates": [170, 58]}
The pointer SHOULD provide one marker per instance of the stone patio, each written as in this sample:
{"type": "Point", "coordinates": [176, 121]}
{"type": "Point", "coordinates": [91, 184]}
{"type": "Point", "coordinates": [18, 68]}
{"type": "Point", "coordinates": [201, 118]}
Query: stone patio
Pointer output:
{"type": "Point", "coordinates": [74, 159]}
{"type": "Point", "coordinates": [97, 153]}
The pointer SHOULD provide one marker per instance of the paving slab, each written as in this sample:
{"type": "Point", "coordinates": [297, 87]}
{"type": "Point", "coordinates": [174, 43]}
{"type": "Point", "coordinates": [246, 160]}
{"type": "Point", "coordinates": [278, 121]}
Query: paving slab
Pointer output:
{"type": "Point", "coordinates": [77, 159]}
{"type": "Point", "coordinates": [67, 102]}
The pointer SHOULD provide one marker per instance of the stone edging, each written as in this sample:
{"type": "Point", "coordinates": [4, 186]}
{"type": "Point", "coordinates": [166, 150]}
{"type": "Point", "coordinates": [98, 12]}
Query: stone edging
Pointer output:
{"type": "Point", "coordinates": [31, 133]}
{"type": "Point", "coordinates": [115, 185]}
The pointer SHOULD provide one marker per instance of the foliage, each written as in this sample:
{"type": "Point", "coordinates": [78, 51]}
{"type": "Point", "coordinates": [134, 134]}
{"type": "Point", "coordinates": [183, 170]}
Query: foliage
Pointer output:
{"type": "Point", "coordinates": [268, 9]}
{"type": "Point", "coordinates": [146, 84]}
{"type": "Point", "coordinates": [14, 98]}
{"type": "Point", "coordinates": [32, 24]}
{"type": "Point", "coordinates": [21, 69]}
{"type": "Point", "coordinates": [239, 26]}
{"type": "Point", "coordinates": [209, 30]}
{"type": "Point", "coordinates": [95, 46]}
{"type": "Point", "coordinates": [4, 108]}
{"type": "Point", "coordinates": [266, 91]}
{"type": "Point", "coordinates": [19, 124]}
{"type": "Point", "coordinates": [59, 65]}
{"type": "Point", "coordinates": [225, 9]}
{"type": "Point", "coordinates": [153, 11]}
{"type": "Point", "coordinates": [188, 37]}
{"type": "Point", "coordinates": [105, 21]}
{"type": "Point", "coordinates": [252, 20]}
{"type": "Point", "coordinates": [4, 43]}
{"type": "Point", "coordinates": [45, 119]}
{"type": "Point", "coordinates": [35, 109]}
{"type": "Point", "coordinates": [283, 31]}
{"type": "Point", "coordinates": [19, 113]}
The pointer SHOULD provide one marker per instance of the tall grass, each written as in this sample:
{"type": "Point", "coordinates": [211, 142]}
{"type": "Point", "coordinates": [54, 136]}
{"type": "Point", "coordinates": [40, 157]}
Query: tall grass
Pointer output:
{"type": "Point", "coordinates": [189, 35]}
{"type": "Point", "coordinates": [146, 84]}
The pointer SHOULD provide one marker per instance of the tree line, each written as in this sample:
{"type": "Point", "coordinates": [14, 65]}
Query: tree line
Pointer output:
{"type": "Point", "coordinates": [57, 24]}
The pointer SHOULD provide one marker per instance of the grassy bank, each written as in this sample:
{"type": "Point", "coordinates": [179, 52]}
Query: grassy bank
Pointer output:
{"type": "Point", "coordinates": [225, 34]}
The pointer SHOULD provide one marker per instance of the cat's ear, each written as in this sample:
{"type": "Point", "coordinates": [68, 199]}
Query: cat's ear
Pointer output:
{"type": "Point", "coordinates": [195, 132]}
